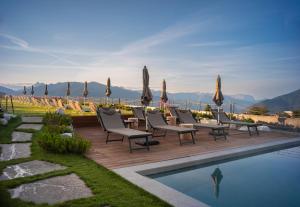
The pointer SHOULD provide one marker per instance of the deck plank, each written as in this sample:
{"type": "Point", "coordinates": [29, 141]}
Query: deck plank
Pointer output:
{"type": "Point", "coordinates": [116, 154]}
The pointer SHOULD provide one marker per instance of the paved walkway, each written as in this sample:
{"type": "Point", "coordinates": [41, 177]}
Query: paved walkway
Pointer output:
{"type": "Point", "coordinates": [52, 190]}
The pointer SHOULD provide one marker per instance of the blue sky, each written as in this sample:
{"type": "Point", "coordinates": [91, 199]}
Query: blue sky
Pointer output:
{"type": "Point", "coordinates": [253, 45]}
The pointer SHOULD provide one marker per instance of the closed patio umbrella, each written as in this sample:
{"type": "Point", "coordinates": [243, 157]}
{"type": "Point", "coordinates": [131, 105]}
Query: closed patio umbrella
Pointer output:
{"type": "Point", "coordinates": [163, 95]}
{"type": "Point", "coordinates": [85, 92]}
{"type": "Point", "coordinates": [24, 90]}
{"type": "Point", "coordinates": [46, 90]}
{"type": "Point", "coordinates": [68, 91]}
{"type": "Point", "coordinates": [218, 97]}
{"type": "Point", "coordinates": [32, 90]}
{"type": "Point", "coordinates": [146, 97]}
{"type": "Point", "coordinates": [108, 90]}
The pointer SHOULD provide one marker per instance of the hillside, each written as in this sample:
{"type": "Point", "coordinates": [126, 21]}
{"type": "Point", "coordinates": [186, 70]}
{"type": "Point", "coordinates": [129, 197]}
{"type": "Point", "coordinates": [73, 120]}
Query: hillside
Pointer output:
{"type": "Point", "coordinates": [7, 91]}
{"type": "Point", "coordinates": [286, 102]}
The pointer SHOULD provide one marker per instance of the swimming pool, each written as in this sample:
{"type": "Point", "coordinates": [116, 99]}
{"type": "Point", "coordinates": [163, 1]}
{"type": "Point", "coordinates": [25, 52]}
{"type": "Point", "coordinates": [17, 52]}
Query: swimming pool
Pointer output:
{"type": "Point", "coordinates": [271, 179]}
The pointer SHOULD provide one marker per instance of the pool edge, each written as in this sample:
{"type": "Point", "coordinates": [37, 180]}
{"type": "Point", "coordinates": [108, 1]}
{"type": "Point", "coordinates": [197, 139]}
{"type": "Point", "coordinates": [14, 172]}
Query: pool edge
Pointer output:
{"type": "Point", "coordinates": [137, 174]}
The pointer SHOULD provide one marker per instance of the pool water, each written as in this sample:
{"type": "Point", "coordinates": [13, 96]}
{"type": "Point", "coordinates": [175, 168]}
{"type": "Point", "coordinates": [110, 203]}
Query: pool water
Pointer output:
{"type": "Point", "coordinates": [271, 179]}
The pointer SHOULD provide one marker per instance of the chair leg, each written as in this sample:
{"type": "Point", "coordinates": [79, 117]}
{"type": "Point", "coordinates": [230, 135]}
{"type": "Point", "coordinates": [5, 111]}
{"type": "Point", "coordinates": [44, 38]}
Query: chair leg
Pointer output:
{"type": "Point", "coordinates": [193, 138]}
{"type": "Point", "coordinates": [225, 136]}
{"type": "Point", "coordinates": [122, 138]}
{"type": "Point", "coordinates": [130, 148]}
{"type": "Point", "coordinates": [249, 130]}
{"type": "Point", "coordinates": [257, 132]}
{"type": "Point", "coordinates": [147, 143]}
{"type": "Point", "coordinates": [179, 138]}
{"type": "Point", "coordinates": [107, 137]}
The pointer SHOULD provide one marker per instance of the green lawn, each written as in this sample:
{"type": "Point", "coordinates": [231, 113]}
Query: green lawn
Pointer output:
{"type": "Point", "coordinates": [31, 110]}
{"type": "Point", "coordinates": [108, 188]}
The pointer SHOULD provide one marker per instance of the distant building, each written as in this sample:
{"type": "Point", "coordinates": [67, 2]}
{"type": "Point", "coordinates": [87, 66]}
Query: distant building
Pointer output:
{"type": "Point", "coordinates": [290, 113]}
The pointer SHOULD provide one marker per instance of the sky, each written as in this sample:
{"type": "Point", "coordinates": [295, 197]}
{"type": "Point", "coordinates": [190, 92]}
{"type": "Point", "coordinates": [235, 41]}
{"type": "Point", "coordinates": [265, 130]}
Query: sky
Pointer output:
{"type": "Point", "coordinates": [253, 45]}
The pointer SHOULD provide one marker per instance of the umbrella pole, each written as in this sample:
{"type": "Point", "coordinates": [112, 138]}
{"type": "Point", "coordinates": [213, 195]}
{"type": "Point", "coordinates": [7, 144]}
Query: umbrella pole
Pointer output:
{"type": "Point", "coordinates": [146, 118]}
{"type": "Point", "coordinates": [218, 115]}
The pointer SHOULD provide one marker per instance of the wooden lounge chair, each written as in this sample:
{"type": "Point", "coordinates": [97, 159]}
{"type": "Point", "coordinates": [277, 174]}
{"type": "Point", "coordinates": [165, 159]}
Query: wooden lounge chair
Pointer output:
{"type": "Point", "coordinates": [112, 122]}
{"type": "Point", "coordinates": [77, 106]}
{"type": "Point", "coordinates": [47, 102]}
{"type": "Point", "coordinates": [71, 105]}
{"type": "Point", "coordinates": [224, 119]}
{"type": "Point", "coordinates": [60, 103]}
{"type": "Point", "coordinates": [186, 117]}
{"type": "Point", "coordinates": [156, 122]}
{"type": "Point", "coordinates": [92, 107]}
{"type": "Point", "coordinates": [54, 102]}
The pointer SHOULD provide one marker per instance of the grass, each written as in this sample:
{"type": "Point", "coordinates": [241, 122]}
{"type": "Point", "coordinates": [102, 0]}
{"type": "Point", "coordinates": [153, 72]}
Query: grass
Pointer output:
{"type": "Point", "coordinates": [31, 110]}
{"type": "Point", "coordinates": [6, 131]}
{"type": "Point", "coordinates": [108, 188]}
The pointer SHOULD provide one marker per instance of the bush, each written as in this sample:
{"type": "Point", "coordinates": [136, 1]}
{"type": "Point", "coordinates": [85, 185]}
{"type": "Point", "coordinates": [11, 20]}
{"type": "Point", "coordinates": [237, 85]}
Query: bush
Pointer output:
{"type": "Point", "coordinates": [57, 119]}
{"type": "Point", "coordinates": [296, 113]}
{"type": "Point", "coordinates": [203, 116]}
{"type": "Point", "coordinates": [55, 142]}
{"type": "Point", "coordinates": [258, 110]}
{"type": "Point", "coordinates": [249, 120]}
{"type": "Point", "coordinates": [56, 129]}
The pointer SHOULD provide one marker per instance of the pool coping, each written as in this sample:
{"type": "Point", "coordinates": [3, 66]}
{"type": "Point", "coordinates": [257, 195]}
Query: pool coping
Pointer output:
{"type": "Point", "coordinates": [138, 174]}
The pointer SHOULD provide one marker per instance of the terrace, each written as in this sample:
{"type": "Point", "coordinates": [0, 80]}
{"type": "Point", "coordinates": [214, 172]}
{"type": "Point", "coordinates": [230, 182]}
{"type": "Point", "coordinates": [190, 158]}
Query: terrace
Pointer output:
{"type": "Point", "coordinates": [116, 154]}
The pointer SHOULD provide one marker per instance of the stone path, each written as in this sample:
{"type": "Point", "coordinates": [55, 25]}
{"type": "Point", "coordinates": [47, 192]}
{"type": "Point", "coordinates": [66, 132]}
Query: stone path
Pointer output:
{"type": "Point", "coordinates": [21, 137]}
{"type": "Point", "coordinates": [14, 151]}
{"type": "Point", "coordinates": [30, 126]}
{"type": "Point", "coordinates": [52, 190]}
{"type": "Point", "coordinates": [32, 119]}
{"type": "Point", "coordinates": [30, 168]}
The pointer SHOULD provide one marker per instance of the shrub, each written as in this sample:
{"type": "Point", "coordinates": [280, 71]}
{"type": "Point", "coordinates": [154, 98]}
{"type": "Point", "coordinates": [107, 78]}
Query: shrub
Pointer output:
{"type": "Point", "coordinates": [296, 113]}
{"type": "Point", "coordinates": [249, 120]}
{"type": "Point", "coordinates": [258, 110]}
{"type": "Point", "coordinates": [203, 115]}
{"type": "Point", "coordinates": [55, 142]}
{"type": "Point", "coordinates": [56, 129]}
{"type": "Point", "coordinates": [207, 107]}
{"type": "Point", "coordinates": [57, 119]}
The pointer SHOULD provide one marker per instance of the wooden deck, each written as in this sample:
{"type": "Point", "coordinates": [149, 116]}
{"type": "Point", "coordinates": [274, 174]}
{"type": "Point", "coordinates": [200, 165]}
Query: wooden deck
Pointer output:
{"type": "Point", "coordinates": [116, 154]}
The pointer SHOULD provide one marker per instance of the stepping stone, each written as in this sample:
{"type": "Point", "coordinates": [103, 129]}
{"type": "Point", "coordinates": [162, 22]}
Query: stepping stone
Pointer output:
{"type": "Point", "coordinates": [21, 137]}
{"type": "Point", "coordinates": [14, 151]}
{"type": "Point", "coordinates": [32, 119]}
{"type": "Point", "coordinates": [30, 126]}
{"type": "Point", "coordinates": [52, 190]}
{"type": "Point", "coordinates": [31, 168]}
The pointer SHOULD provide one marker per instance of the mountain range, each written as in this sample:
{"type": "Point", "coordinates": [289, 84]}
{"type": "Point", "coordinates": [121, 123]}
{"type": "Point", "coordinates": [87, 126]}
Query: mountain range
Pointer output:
{"type": "Point", "coordinates": [192, 99]}
{"type": "Point", "coordinates": [286, 102]}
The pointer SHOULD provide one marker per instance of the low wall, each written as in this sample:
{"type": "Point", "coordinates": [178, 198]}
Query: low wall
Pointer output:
{"type": "Point", "coordinates": [271, 119]}
{"type": "Point", "coordinates": [293, 121]}
{"type": "Point", "coordinates": [89, 121]}
{"type": "Point", "coordinates": [256, 118]}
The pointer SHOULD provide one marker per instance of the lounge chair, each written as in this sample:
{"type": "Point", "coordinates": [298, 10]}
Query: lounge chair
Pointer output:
{"type": "Point", "coordinates": [224, 119]}
{"type": "Point", "coordinates": [92, 107]}
{"type": "Point", "coordinates": [139, 112]}
{"type": "Point", "coordinates": [157, 122]}
{"type": "Point", "coordinates": [71, 105]}
{"type": "Point", "coordinates": [172, 110]}
{"type": "Point", "coordinates": [112, 122]}
{"type": "Point", "coordinates": [77, 106]}
{"type": "Point", "coordinates": [186, 117]}
{"type": "Point", "coordinates": [60, 103]}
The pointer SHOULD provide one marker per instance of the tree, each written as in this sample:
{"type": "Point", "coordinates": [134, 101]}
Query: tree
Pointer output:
{"type": "Point", "coordinates": [258, 110]}
{"type": "Point", "coordinates": [296, 113]}
{"type": "Point", "coordinates": [207, 107]}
